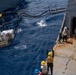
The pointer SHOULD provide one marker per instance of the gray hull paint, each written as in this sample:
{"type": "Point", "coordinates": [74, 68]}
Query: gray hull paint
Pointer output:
{"type": "Point", "coordinates": [6, 4]}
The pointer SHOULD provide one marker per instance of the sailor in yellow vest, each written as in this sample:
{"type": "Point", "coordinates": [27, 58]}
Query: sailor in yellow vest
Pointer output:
{"type": "Point", "coordinates": [49, 60]}
{"type": "Point", "coordinates": [44, 68]}
{"type": "Point", "coordinates": [0, 14]}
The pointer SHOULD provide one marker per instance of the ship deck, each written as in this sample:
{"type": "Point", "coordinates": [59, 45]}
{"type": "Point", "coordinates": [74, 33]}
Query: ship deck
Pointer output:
{"type": "Point", "coordinates": [65, 58]}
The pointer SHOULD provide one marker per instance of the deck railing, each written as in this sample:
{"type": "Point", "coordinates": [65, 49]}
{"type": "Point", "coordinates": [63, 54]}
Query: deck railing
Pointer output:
{"type": "Point", "coordinates": [61, 29]}
{"type": "Point", "coordinates": [60, 32]}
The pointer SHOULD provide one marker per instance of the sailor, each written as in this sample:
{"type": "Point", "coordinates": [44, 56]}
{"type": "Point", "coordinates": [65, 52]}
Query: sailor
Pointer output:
{"type": "Point", "coordinates": [0, 14]}
{"type": "Point", "coordinates": [49, 60]}
{"type": "Point", "coordinates": [37, 72]}
{"type": "Point", "coordinates": [65, 33]}
{"type": "Point", "coordinates": [44, 68]}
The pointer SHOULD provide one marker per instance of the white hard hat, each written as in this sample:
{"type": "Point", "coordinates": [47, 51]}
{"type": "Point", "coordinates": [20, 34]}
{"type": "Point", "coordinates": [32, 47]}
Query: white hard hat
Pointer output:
{"type": "Point", "coordinates": [65, 27]}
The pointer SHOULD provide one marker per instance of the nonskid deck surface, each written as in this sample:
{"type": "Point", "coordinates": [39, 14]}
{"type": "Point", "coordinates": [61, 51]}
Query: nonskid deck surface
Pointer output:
{"type": "Point", "coordinates": [65, 58]}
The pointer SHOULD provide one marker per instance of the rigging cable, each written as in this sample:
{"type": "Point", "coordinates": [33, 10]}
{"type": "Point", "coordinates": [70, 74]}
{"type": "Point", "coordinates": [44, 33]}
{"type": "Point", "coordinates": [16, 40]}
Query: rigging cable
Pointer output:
{"type": "Point", "coordinates": [53, 11]}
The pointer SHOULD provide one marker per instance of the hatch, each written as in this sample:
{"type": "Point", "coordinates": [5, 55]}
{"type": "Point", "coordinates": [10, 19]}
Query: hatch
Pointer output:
{"type": "Point", "coordinates": [72, 26]}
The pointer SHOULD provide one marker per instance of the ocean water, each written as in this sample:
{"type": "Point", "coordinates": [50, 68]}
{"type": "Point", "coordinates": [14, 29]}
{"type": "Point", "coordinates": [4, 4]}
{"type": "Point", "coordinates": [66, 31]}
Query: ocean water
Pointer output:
{"type": "Point", "coordinates": [35, 36]}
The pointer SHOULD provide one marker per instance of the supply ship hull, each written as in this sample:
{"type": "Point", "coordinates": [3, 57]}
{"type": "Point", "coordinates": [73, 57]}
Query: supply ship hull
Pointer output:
{"type": "Point", "coordinates": [65, 52]}
{"type": "Point", "coordinates": [7, 4]}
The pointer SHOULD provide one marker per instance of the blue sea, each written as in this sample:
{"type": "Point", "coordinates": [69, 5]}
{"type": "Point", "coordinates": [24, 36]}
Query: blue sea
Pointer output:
{"type": "Point", "coordinates": [33, 39]}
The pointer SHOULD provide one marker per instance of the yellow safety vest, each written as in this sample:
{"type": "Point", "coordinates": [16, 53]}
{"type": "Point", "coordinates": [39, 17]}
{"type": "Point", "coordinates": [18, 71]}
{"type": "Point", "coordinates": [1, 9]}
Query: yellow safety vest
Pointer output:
{"type": "Point", "coordinates": [49, 59]}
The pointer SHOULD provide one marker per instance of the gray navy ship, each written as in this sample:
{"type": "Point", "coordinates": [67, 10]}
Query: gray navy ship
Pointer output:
{"type": "Point", "coordinates": [7, 4]}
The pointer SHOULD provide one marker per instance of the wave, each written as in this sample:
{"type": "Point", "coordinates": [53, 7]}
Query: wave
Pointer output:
{"type": "Point", "coordinates": [42, 23]}
{"type": "Point", "coordinates": [20, 47]}
{"type": "Point", "coordinates": [19, 30]}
